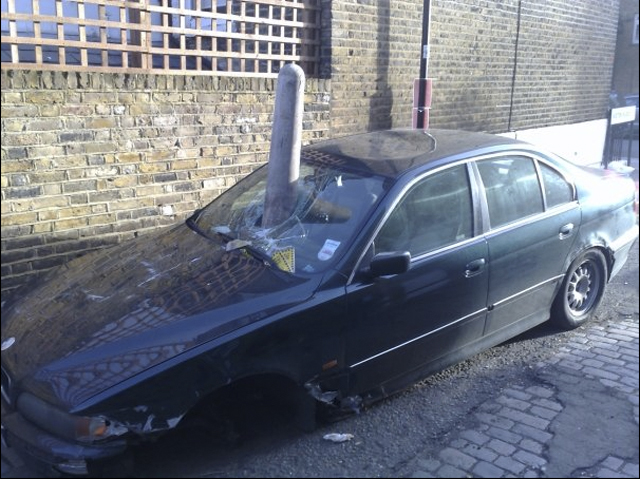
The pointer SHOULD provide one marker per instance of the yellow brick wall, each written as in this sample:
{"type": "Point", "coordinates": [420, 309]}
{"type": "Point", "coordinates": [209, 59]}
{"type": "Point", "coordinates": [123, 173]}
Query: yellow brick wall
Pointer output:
{"type": "Point", "coordinates": [89, 160]}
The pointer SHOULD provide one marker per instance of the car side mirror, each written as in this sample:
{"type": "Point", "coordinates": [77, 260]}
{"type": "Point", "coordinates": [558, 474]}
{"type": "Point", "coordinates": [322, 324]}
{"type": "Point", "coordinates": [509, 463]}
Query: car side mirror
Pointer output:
{"type": "Point", "coordinates": [395, 262]}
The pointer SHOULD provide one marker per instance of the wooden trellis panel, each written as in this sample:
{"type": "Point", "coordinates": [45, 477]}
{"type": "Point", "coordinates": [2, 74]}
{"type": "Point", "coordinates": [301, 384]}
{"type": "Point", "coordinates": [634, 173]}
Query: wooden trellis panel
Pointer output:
{"type": "Point", "coordinates": [223, 37]}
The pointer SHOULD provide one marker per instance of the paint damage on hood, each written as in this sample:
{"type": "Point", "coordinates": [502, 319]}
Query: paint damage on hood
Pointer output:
{"type": "Point", "coordinates": [112, 314]}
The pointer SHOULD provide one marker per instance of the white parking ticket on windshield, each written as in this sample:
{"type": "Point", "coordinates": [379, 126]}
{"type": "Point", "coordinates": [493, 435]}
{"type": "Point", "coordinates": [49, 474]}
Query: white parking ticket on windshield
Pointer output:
{"type": "Point", "coordinates": [329, 248]}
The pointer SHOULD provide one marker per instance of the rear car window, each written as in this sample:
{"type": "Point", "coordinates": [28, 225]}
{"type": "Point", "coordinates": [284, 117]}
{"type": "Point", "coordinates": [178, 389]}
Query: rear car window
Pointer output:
{"type": "Point", "coordinates": [512, 188]}
{"type": "Point", "coordinates": [557, 191]}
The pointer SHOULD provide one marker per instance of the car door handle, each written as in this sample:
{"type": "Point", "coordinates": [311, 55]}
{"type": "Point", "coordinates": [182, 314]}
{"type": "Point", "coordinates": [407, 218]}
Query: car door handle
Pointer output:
{"type": "Point", "coordinates": [474, 268]}
{"type": "Point", "coordinates": [566, 231]}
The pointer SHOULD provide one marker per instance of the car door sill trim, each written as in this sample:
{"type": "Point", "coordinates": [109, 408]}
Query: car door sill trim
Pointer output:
{"type": "Point", "coordinates": [359, 363]}
{"type": "Point", "coordinates": [525, 291]}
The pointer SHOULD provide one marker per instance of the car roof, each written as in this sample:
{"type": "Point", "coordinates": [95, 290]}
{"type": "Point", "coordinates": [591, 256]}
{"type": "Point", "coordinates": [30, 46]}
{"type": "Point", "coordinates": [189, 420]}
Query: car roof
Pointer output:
{"type": "Point", "coordinates": [391, 153]}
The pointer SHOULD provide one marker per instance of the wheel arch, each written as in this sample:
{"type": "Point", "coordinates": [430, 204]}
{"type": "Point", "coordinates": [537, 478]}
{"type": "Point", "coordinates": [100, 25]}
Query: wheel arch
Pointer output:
{"type": "Point", "coordinates": [273, 388]}
{"type": "Point", "coordinates": [605, 250]}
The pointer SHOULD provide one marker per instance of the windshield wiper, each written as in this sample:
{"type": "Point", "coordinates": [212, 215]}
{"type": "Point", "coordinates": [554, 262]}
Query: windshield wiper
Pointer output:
{"type": "Point", "coordinates": [191, 223]}
{"type": "Point", "coordinates": [233, 244]}
{"type": "Point", "coordinates": [258, 254]}
{"type": "Point", "coordinates": [254, 251]}
{"type": "Point", "coordinates": [226, 237]}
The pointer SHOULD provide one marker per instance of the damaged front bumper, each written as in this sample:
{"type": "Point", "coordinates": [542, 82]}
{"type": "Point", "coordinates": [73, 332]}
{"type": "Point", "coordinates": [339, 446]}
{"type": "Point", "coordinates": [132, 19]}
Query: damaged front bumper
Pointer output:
{"type": "Point", "coordinates": [53, 455]}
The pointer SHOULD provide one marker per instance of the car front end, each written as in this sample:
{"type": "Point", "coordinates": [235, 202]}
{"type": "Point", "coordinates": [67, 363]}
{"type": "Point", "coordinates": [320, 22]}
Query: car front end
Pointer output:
{"type": "Point", "coordinates": [115, 347]}
{"type": "Point", "coordinates": [87, 441]}
{"type": "Point", "coordinates": [81, 358]}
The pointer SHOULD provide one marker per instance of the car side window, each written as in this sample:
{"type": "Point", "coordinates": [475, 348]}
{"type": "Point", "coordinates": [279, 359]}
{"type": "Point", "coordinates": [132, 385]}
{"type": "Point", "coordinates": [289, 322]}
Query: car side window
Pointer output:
{"type": "Point", "coordinates": [436, 212]}
{"type": "Point", "coordinates": [557, 190]}
{"type": "Point", "coordinates": [512, 188]}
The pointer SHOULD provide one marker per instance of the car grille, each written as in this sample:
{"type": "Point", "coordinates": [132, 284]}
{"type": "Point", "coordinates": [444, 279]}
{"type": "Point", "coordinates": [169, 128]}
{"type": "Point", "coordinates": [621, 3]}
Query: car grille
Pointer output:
{"type": "Point", "coordinates": [6, 387]}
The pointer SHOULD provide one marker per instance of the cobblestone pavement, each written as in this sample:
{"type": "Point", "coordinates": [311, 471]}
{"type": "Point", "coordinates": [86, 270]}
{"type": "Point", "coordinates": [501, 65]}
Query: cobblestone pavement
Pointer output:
{"type": "Point", "coordinates": [581, 420]}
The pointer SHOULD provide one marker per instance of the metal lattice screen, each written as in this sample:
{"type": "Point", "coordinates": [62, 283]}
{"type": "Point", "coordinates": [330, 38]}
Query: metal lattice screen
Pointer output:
{"type": "Point", "coordinates": [224, 37]}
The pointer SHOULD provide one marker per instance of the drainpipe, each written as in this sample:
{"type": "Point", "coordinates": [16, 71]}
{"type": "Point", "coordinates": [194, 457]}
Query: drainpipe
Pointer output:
{"type": "Point", "coordinates": [286, 141]}
{"type": "Point", "coordinates": [422, 86]}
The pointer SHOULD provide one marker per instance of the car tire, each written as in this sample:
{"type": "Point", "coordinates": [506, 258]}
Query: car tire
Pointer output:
{"type": "Point", "coordinates": [581, 291]}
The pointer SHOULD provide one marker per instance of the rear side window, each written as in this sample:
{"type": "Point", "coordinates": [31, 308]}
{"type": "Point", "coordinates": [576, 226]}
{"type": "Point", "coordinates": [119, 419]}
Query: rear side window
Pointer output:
{"type": "Point", "coordinates": [557, 191]}
{"type": "Point", "coordinates": [512, 187]}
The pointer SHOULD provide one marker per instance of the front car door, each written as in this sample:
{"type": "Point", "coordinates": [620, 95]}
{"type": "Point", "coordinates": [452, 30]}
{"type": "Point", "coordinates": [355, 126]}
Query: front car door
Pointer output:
{"type": "Point", "coordinates": [404, 326]}
{"type": "Point", "coordinates": [533, 216]}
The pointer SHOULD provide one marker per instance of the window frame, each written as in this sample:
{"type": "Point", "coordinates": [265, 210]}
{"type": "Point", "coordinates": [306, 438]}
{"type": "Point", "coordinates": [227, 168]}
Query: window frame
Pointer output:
{"type": "Point", "coordinates": [408, 200]}
{"type": "Point", "coordinates": [542, 181]}
{"type": "Point", "coordinates": [481, 226]}
{"type": "Point", "coordinates": [504, 207]}
{"type": "Point", "coordinates": [537, 159]}
{"type": "Point", "coordinates": [366, 252]}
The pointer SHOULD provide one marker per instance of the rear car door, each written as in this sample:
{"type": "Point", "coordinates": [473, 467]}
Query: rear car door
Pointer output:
{"type": "Point", "coordinates": [533, 218]}
{"type": "Point", "coordinates": [401, 324]}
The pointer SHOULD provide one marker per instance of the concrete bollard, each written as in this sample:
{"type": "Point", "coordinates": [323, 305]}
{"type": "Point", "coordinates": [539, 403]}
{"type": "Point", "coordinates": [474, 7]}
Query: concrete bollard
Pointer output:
{"type": "Point", "coordinates": [286, 141]}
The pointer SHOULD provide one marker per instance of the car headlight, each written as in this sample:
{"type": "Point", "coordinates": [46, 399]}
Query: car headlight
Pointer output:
{"type": "Point", "coordinates": [85, 429]}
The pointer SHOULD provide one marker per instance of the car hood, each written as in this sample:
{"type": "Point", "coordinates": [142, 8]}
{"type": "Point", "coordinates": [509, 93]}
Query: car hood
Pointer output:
{"type": "Point", "coordinates": [114, 313]}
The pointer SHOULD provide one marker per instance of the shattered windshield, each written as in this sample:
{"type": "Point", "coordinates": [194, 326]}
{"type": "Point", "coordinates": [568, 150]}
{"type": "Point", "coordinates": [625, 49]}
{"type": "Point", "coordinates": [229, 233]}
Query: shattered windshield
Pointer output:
{"type": "Point", "coordinates": [328, 208]}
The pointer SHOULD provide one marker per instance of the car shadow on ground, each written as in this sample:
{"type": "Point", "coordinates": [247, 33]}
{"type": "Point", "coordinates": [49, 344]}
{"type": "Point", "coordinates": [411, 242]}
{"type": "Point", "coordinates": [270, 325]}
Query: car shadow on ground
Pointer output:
{"type": "Point", "coordinates": [205, 445]}
{"type": "Point", "coordinates": [543, 330]}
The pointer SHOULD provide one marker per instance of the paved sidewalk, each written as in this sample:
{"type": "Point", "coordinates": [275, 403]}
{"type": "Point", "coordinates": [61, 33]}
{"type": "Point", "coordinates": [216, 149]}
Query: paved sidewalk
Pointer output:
{"type": "Point", "coordinates": [578, 419]}
{"type": "Point", "coordinates": [552, 430]}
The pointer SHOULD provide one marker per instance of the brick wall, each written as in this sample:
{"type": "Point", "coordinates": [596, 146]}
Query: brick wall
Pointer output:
{"type": "Point", "coordinates": [472, 60]}
{"type": "Point", "coordinates": [563, 66]}
{"type": "Point", "coordinates": [626, 75]}
{"type": "Point", "coordinates": [375, 57]}
{"type": "Point", "coordinates": [93, 159]}
{"type": "Point", "coordinates": [565, 62]}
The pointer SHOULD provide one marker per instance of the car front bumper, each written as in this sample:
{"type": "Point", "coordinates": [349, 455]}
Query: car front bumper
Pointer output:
{"type": "Point", "coordinates": [50, 454]}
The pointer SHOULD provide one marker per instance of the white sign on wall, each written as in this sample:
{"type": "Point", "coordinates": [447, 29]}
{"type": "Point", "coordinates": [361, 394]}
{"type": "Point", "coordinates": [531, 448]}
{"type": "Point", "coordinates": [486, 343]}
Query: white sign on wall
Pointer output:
{"type": "Point", "coordinates": [623, 115]}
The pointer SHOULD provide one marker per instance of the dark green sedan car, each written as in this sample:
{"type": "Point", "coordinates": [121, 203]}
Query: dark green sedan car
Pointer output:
{"type": "Point", "coordinates": [397, 254]}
